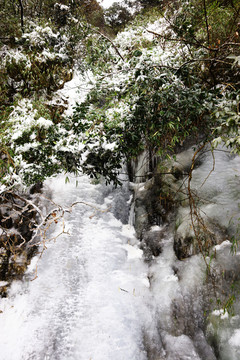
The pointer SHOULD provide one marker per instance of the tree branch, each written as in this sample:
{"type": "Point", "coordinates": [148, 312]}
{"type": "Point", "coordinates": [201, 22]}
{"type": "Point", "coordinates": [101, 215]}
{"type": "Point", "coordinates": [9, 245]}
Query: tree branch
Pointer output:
{"type": "Point", "coordinates": [206, 21]}
{"type": "Point", "coordinates": [21, 9]}
{"type": "Point", "coordinates": [114, 46]}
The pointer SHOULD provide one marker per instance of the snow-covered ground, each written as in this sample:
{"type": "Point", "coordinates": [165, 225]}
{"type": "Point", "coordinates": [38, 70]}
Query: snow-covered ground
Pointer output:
{"type": "Point", "coordinates": [88, 301]}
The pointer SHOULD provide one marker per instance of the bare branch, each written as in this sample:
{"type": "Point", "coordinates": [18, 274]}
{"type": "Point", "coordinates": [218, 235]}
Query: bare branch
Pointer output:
{"type": "Point", "coordinates": [29, 202]}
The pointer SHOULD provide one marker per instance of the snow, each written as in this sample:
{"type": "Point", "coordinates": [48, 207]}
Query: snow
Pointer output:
{"type": "Point", "coordinates": [107, 3]}
{"type": "Point", "coordinates": [156, 228]}
{"type": "Point", "coordinates": [224, 244]}
{"type": "Point", "coordinates": [21, 119]}
{"type": "Point", "coordinates": [25, 122]}
{"type": "Point", "coordinates": [133, 252]}
{"type": "Point", "coordinates": [27, 147]}
{"type": "Point", "coordinates": [63, 7]}
{"type": "Point", "coordinates": [47, 55]}
{"type": "Point", "coordinates": [110, 146]}
{"type": "Point", "coordinates": [235, 338]}
{"type": "Point", "coordinates": [170, 278]}
{"type": "Point", "coordinates": [2, 188]}
{"type": "Point", "coordinates": [222, 313]}
{"type": "Point", "coordinates": [180, 347]}
{"type": "Point", "coordinates": [38, 35]}
{"type": "Point", "coordinates": [17, 56]}
{"type": "Point", "coordinates": [220, 196]}
{"type": "Point", "coordinates": [91, 284]}
{"type": "Point", "coordinates": [74, 91]}
{"type": "Point", "coordinates": [44, 122]}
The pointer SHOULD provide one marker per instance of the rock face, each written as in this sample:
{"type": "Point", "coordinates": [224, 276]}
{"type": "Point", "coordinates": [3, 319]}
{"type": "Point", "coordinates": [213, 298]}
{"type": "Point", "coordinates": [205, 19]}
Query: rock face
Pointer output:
{"type": "Point", "coordinates": [166, 196]}
{"type": "Point", "coordinates": [187, 243]}
{"type": "Point", "coordinates": [173, 235]}
{"type": "Point", "coordinates": [214, 207]}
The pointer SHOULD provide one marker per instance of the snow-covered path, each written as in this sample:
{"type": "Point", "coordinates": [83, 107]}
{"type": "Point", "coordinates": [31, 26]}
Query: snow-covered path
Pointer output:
{"type": "Point", "coordinates": [88, 300]}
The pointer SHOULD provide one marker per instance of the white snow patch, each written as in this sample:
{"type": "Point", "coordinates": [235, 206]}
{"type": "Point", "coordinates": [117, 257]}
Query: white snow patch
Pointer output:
{"type": "Point", "coordinates": [133, 252]}
{"type": "Point", "coordinates": [235, 338]}
{"type": "Point", "coordinates": [44, 122]}
{"type": "Point", "coordinates": [62, 7]}
{"type": "Point", "coordinates": [221, 246]}
{"type": "Point", "coordinates": [222, 313]}
{"type": "Point", "coordinates": [74, 91]}
{"type": "Point", "coordinates": [156, 228]}
{"type": "Point", "coordinates": [170, 278]}
{"type": "Point", "coordinates": [2, 188]}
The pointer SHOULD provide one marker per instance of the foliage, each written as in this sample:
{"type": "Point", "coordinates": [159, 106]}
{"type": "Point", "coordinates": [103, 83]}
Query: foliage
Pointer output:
{"type": "Point", "coordinates": [42, 63]}
{"type": "Point", "coordinates": [212, 26]}
{"type": "Point", "coordinates": [117, 16]}
{"type": "Point", "coordinates": [58, 12]}
{"type": "Point", "coordinates": [227, 115]}
{"type": "Point", "coordinates": [151, 107]}
{"type": "Point", "coordinates": [90, 9]}
{"type": "Point", "coordinates": [192, 17]}
{"type": "Point", "coordinates": [10, 25]}
{"type": "Point", "coordinates": [147, 3]}
{"type": "Point", "coordinates": [148, 94]}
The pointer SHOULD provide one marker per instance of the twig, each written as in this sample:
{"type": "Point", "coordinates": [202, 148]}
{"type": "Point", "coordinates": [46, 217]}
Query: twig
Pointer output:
{"type": "Point", "coordinates": [114, 46]}
{"type": "Point", "coordinates": [206, 21]}
{"type": "Point", "coordinates": [213, 168]}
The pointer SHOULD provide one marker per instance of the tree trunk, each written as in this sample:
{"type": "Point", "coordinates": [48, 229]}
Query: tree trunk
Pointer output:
{"type": "Point", "coordinates": [21, 9]}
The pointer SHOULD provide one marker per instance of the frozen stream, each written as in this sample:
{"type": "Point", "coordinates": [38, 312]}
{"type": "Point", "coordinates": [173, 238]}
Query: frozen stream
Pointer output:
{"type": "Point", "coordinates": [88, 300]}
